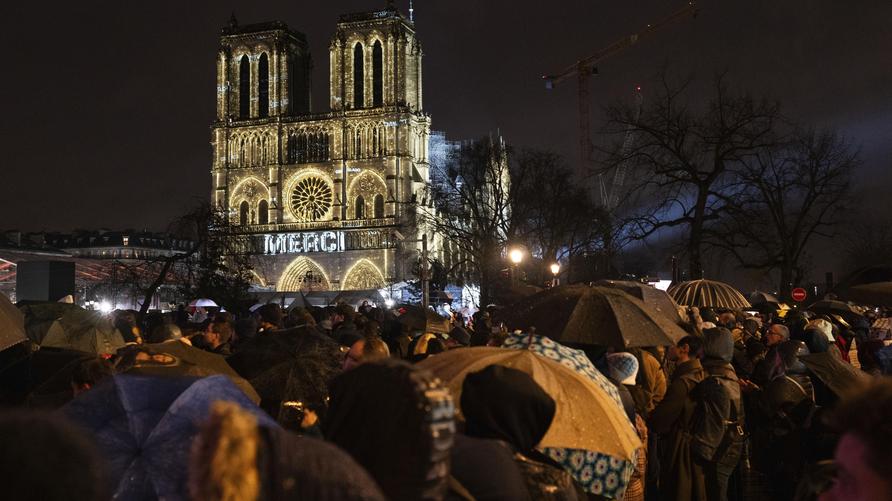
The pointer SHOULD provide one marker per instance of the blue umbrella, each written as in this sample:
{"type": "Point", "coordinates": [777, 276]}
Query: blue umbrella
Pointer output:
{"type": "Point", "coordinates": [144, 426]}
{"type": "Point", "coordinates": [596, 472]}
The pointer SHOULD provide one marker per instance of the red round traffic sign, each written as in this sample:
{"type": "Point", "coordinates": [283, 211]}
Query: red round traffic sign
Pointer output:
{"type": "Point", "coordinates": [798, 294]}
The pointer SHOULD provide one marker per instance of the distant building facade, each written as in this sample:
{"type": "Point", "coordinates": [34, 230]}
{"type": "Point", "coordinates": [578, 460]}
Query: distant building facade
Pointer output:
{"type": "Point", "coordinates": [325, 201]}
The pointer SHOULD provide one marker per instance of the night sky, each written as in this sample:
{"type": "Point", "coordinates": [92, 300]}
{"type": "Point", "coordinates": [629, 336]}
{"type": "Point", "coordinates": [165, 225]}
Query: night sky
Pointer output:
{"type": "Point", "coordinates": [109, 104]}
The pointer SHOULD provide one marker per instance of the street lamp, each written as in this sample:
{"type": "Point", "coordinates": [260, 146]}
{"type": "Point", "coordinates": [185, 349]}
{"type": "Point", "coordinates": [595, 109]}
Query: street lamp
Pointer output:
{"type": "Point", "coordinates": [515, 255]}
{"type": "Point", "coordinates": [555, 269]}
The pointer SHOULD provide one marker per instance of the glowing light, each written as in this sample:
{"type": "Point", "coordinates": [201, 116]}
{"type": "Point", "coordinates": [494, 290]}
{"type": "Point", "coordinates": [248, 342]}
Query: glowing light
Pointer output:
{"type": "Point", "coordinates": [515, 255]}
{"type": "Point", "coordinates": [555, 268]}
{"type": "Point", "coordinates": [389, 303]}
{"type": "Point", "coordinates": [105, 307]}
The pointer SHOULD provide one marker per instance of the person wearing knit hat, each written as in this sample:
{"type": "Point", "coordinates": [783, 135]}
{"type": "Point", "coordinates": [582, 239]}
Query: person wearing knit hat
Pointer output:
{"type": "Point", "coordinates": [623, 367]}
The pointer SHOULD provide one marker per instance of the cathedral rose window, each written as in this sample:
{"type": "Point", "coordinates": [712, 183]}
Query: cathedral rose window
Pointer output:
{"type": "Point", "coordinates": [311, 199]}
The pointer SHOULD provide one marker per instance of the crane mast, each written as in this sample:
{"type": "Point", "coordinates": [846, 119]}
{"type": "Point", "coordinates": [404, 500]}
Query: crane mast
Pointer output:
{"type": "Point", "coordinates": [585, 68]}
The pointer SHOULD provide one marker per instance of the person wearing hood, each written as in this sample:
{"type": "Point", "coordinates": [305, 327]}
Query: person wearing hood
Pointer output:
{"type": "Point", "coordinates": [717, 434]}
{"type": "Point", "coordinates": [672, 418]}
{"type": "Point", "coordinates": [507, 405]}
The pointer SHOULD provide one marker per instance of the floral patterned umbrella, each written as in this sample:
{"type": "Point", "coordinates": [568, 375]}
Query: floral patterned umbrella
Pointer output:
{"type": "Point", "coordinates": [596, 472]}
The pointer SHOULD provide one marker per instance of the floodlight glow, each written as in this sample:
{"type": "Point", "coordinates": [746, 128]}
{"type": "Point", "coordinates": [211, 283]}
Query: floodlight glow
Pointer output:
{"type": "Point", "coordinates": [105, 307]}
{"type": "Point", "coordinates": [389, 303]}
{"type": "Point", "coordinates": [555, 268]}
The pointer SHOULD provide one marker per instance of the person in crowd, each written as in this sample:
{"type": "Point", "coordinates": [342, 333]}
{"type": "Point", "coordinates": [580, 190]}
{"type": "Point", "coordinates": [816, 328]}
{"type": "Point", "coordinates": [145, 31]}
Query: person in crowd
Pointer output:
{"type": "Point", "coordinates": [45, 458]}
{"type": "Point", "coordinates": [88, 373]}
{"type": "Point", "coordinates": [776, 334]}
{"type": "Point", "coordinates": [717, 433]}
{"type": "Point", "coordinates": [344, 329]}
{"type": "Point", "coordinates": [218, 335]}
{"type": "Point", "coordinates": [863, 454]}
{"type": "Point", "coordinates": [167, 332]}
{"type": "Point", "coordinates": [672, 418]}
{"type": "Point", "coordinates": [269, 318]}
{"type": "Point", "coordinates": [233, 459]}
{"type": "Point", "coordinates": [621, 371]}
{"type": "Point", "coordinates": [623, 367]}
{"type": "Point", "coordinates": [367, 349]}
{"type": "Point", "coordinates": [650, 387]}
{"type": "Point", "coordinates": [125, 322]}
{"type": "Point", "coordinates": [397, 421]}
{"type": "Point", "coordinates": [500, 403]}
{"type": "Point", "coordinates": [783, 409]}
{"type": "Point", "coordinates": [481, 328]}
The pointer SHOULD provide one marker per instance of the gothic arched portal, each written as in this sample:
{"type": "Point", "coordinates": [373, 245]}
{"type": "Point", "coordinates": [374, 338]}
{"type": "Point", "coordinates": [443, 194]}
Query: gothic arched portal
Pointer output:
{"type": "Point", "coordinates": [363, 275]}
{"type": "Point", "coordinates": [303, 274]}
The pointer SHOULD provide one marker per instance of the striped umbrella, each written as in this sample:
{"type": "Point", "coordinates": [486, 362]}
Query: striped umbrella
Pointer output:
{"type": "Point", "coordinates": [708, 293]}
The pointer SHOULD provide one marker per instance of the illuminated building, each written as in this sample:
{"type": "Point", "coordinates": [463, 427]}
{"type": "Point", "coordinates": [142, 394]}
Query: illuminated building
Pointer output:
{"type": "Point", "coordinates": [325, 200]}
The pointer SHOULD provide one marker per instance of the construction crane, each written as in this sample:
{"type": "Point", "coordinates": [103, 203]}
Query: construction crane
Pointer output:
{"type": "Point", "coordinates": [610, 198]}
{"type": "Point", "coordinates": [585, 68]}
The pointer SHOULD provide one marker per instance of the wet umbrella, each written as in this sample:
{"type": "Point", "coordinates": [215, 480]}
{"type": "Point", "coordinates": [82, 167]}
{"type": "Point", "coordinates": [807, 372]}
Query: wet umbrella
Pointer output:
{"type": "Point", "coordinates": [759, 297]}
{"type": "Point", "coordinates": [708, 293]}
{"type": "Point", "coordinates": [143, 426]}
{"type": "Point", "coordinates": [61, 325]}
{"type": "Point", "coordinates": [12, 324]}
{"type": "Point", "coordinates": [185, 360]}
{"type": "Point", "coordinates": [832, 306]}
{"type": "Point", "coordinates": [600, 474]}
{"type": "Point", "coordinates": [203, 303]}
{"type": "Point", "coordinates": [593, 316]}
{"type": "Point", "coordinates": [656, 299]}
{"type": "Point", "coordinates": [839, 376]}
{"type": "Point", "coordinates": [289, 365]}
{"type": "Point", "coordinates": [422, 319]}
{"type": "Point", "coordinates": [586, 416]}
{"type": "Point", "coordinates": [878, 293]}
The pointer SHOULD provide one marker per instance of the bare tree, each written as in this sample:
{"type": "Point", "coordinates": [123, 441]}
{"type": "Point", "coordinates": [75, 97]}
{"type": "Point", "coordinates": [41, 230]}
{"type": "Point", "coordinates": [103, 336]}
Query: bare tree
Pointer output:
{"type": "Point", "coordinates": [470, 205]}
{"type": "Point", "coordinates": [553, 213]}
{"type": "Point", "coordinates": [685, 159]}
{"type": "Point", "coordinates": [788, 194]}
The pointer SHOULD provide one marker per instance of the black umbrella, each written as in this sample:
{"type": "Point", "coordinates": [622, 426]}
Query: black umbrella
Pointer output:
{"type": "Point", "coordinates": [43, 376]}
{"type": "Point", "coordinates": [289, 365]}
{"type": "Point", "coordinates": [832, 306]}
{"type": "Point", "coordinates": [603, 316]}
{"type": "Point", "coordinates": [656, 299]}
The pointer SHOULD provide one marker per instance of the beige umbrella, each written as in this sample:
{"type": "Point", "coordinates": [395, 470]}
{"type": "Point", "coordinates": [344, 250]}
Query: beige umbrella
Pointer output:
{"type": "Point", "coordinates": [586, 417]}
{"type": "Point", "coordinates": [708, 293]}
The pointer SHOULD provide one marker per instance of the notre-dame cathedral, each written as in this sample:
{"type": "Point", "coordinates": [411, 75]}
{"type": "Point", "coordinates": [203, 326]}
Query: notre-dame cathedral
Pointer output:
{"type": "Point", "coordinates": [325, 199]}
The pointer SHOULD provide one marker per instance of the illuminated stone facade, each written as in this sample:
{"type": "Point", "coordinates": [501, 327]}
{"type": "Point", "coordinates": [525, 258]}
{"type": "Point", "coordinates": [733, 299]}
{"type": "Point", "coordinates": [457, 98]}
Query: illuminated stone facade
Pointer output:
{"type": "Point", "coordinates": [325, 200]}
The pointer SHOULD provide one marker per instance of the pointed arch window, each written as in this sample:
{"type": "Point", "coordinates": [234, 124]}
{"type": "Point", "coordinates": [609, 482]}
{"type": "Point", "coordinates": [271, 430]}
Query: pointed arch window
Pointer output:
{"type": "Point", "coordinates": [263, 86]}
{"type": "Point", "coordinates": [358, 75]}
{"type": "Point", "coordinates": [379, 206]}
{"type": "Point", "coordinates": [243, 213]}
{"type": "Point", "coordinates": [359, 211]}
{"type": "Point", "coordinates": [244, 87]}
{"type": "Point", "coordinates": [263, 212]}
{"type": "Point", "coordinates": [377, 74]}
{"type": "Point", "coordinates": [292, 150]}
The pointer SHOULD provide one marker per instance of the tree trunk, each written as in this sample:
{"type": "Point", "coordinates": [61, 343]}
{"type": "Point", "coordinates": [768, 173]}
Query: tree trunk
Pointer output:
{"type": "Point", "coordinates": [786, 281]}
{"type": "Point", "coordinates": [695, 258]}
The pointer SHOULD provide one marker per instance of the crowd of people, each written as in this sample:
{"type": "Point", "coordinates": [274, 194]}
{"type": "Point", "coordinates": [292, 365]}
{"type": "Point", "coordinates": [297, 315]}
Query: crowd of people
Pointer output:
{"type": "Point", "coordinates": [746, 406]}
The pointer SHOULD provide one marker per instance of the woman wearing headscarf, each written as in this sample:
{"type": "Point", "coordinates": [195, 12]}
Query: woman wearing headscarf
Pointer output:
{"type": "Point", "coordinates": [504, 404]}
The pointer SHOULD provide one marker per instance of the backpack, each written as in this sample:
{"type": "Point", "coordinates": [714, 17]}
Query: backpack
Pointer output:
{"type": "Point", "coordinates": [717, 434]}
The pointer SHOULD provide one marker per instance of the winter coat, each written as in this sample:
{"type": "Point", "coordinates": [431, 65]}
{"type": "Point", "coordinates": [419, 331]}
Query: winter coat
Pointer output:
{"type": "Point", "coordinates": [651, 381]}
{"type": "Point", "coordinates": [486, 468]}
{"type": "Point", "coordinates": [672, 420]}
{"type": "Point", "coordinates": [635, 490]}
{"type": "Point", "coordinates": [720, 396]}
